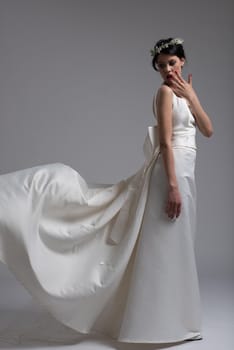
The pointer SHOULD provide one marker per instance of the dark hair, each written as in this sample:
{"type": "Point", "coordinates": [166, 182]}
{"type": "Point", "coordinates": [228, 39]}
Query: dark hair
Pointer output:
{"type": "Point", "coordinates": [171, 49]}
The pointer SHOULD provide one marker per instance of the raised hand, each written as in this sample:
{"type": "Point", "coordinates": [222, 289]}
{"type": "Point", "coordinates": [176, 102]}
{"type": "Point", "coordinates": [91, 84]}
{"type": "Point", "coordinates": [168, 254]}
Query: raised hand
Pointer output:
{"type": "Point", "coordinates": [181, 87]}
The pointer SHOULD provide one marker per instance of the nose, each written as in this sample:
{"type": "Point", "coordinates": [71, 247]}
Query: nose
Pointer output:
{"type": "Point", "coordinates": [168, 68]}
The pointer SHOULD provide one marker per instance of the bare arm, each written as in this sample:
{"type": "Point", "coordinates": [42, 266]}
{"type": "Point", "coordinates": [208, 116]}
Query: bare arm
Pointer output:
{"type": "Point", "coordinates": [164, 114]}
{"type": "Point", "coordinates": [202, 119]}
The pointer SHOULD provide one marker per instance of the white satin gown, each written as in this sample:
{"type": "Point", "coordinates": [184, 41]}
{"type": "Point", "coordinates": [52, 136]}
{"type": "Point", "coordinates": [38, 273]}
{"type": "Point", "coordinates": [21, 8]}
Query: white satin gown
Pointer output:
{"type": "Point", "coordinates": [108, 259]}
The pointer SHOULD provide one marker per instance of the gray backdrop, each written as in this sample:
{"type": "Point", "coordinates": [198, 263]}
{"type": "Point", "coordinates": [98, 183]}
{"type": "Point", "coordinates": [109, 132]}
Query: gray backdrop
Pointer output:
{"type": "Point", "coordinates": [76, 86]}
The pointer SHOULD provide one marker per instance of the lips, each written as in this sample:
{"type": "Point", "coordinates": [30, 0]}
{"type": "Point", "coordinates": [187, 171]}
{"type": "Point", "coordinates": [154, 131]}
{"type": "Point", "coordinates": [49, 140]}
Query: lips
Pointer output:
{"type": "Point", "coordinates": [169, 76]}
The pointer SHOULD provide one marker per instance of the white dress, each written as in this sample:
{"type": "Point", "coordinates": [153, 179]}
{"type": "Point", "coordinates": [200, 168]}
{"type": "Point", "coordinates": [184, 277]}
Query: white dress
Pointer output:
{"type": "Point", "coordinates": [107, 259]}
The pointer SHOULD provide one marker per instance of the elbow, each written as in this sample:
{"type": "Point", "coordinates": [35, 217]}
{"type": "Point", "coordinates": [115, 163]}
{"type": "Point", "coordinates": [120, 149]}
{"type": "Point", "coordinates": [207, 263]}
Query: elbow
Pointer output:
{"type": "Point", "coordinates": [209, 132]}
{"type": "Point", "coordinates": [209, 129]}
{"type": "Point", "coordinates": [206, 130]}
{"type": "Point", "coordinates": [165, 146]}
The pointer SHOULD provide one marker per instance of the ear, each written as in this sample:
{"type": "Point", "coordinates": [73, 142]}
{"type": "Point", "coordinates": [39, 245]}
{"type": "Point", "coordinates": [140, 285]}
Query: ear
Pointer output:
{"type": "Point", "coordinates": [182, 60]}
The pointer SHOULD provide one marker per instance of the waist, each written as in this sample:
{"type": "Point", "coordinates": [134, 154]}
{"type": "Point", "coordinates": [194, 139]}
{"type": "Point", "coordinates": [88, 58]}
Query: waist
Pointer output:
{"type": "Point", "coordinates": [184, 140]}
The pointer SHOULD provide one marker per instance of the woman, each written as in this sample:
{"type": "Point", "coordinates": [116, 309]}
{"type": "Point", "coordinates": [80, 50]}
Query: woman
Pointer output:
{"type": "Point", "coordinates": [119, 259]}
{"type": "Point", "coordinates": [169, 59]}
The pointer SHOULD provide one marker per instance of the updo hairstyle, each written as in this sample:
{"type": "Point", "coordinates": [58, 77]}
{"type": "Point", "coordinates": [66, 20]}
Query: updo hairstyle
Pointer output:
{"type": "Point", "coordinates": [170, 46]}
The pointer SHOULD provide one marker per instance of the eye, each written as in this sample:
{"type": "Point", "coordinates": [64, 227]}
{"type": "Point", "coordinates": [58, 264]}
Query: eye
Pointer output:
{"type": "Point", "coordinates": [161, 65]}
{"type": "Point", "coordinates": [172, 63]}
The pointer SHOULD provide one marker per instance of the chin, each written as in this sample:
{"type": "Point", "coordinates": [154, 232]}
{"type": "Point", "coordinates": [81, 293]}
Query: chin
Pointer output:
{"type": "Point", "coordinates": [168, 82]}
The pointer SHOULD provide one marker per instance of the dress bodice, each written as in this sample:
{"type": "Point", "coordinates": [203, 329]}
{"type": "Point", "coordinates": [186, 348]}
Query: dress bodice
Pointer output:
{"type": "Point", "coordinates": [183, 128]}
{"type": "Point", "coordinates": [182, 119]}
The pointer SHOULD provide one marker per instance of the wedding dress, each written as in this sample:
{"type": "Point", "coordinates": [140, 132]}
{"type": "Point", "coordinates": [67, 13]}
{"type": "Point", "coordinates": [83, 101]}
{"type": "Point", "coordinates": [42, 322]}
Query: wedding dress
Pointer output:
{"type": "Point", "coordinates": [108, 259]}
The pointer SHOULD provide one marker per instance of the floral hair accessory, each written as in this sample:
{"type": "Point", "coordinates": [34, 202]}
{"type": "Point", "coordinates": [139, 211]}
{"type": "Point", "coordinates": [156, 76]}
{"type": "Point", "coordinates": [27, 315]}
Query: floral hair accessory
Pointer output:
{"type": "Point", "coordinates": [157, 49]}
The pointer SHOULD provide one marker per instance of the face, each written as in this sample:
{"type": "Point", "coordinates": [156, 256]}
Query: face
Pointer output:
{"type": "Point", "coordinates": [167, 65]}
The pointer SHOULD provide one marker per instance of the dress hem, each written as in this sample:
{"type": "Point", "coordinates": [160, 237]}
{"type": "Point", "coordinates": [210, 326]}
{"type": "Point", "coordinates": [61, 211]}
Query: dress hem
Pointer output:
{"type": "Point", "coordinates": [189, 337]}
{"type": "Point", "coordinates": [196, 337]}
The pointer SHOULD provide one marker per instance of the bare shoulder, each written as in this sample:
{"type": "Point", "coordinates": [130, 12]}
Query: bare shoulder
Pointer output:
{"type": "Point", "coordinates": [164, 92]}
{"type": "Point", "coordinates": [162, 101]}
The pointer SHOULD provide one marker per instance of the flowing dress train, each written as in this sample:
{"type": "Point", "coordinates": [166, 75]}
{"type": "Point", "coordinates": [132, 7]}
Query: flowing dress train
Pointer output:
{"type": "Point", "coordinates": [107, 259]}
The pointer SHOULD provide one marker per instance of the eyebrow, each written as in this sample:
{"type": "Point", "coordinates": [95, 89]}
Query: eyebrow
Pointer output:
{"type": "Point", "coordinates": [171, 59]}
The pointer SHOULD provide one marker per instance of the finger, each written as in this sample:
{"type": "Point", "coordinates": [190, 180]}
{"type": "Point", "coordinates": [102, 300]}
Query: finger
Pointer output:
{"type": "Point", "coordinates": [169, 209]}
{"type": "Point", "coordinates": [176, 77]}
{"type": "Point", "coordinates": [179, 76]}
{"type": "Point", "coordinates": [178, 210]}
{"type": "Point", "coordinates": [172, 211]}
{"type": "Point", "coordinates": [176, 82]}
{"type": "Point", "coordinates": [190, 79]}
{"type": "Point", "coordinates": [175, 90]}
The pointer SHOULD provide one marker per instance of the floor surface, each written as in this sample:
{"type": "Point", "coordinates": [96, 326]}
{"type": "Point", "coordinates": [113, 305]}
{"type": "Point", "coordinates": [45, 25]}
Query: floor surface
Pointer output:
{"type": "Point", "coordinates": [25, 325]}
